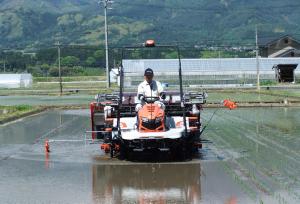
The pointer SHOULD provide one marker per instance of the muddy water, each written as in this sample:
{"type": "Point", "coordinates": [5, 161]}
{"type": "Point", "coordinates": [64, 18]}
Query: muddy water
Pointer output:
{"type": "Point", "coordinates": [250, 156]}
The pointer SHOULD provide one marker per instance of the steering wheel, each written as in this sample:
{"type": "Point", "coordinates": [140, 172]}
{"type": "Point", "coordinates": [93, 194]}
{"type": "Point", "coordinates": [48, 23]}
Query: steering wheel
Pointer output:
{"type": "Point", "coordinates": [151, 99]}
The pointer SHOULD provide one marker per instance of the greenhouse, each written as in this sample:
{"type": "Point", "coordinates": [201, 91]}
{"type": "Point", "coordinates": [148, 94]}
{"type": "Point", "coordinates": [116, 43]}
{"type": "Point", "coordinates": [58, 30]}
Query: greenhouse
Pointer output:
{"type": "Point", "coordinates": [215, 71]}
{"type": "Point", "coordinates": [15, 80]}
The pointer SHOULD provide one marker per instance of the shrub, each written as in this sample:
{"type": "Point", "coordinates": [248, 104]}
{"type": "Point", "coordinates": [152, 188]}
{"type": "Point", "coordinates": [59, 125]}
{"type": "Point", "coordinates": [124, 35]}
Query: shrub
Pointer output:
{"type": "Point", "coordinates": [23, 107]}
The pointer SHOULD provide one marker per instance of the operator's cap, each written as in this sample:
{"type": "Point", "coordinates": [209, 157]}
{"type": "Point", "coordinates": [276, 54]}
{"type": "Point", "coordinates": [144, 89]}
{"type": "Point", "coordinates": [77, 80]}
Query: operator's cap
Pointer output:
{"type": "Point", "coordinates": [148, 72]}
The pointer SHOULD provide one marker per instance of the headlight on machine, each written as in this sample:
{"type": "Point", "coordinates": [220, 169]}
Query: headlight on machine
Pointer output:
{"type": "Point", "coordinates": [144, 119]}
{"type": "Point", "coordinates": [158, 120]}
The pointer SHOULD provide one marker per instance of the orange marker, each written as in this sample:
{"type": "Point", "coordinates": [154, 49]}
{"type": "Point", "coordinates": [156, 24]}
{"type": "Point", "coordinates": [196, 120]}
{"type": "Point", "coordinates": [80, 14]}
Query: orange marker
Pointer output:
{"type": "Point", "coordinates": [47, 146]}
{"type": "Point", "coordinates": [229, 104]}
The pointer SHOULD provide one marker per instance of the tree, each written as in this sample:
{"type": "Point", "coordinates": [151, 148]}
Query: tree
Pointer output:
{"type": "Point", "coordinates": [45, 68]}
{"type": "Point", "coordinates": [209, 54]}
{"type": "Point", "coordinates": [90, 61]}
{"type": "Point", "coordinates": [69, 61]}
{"type": "Point", "coordinates": [170, 55]}
{"type": "Point", "coordinates": [48, 56]}
{"type": "Point", "coordinates": [53, 71]}
{"type": "Point", "coordinates": [99, 54]}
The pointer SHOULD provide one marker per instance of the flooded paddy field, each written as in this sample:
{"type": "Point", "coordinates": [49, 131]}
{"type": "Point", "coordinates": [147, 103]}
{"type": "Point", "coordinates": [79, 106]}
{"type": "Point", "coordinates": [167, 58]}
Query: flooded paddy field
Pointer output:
{"type": "Point", "coordinates": [45, 100]}
{"type": "Point", "coordinates": [249, 155]}
{"type": "Point", "coordinates": [214, 96]}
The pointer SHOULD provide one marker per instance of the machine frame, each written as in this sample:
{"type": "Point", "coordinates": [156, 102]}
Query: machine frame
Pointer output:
{"type": "Point", "coordinates": [122, 105]}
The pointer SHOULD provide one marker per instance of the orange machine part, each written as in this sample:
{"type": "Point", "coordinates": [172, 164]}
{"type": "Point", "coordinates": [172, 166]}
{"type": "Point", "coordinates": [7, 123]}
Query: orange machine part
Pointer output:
{"type": "Point", "coordinates": [193, 123]}
{"type": "Point", "coordinates": [123, 125]}
{"type": "Point", "coordinates": [179, 124]}
{"type": "Point", "coordinates": [117, 147]}
{"type": "Point", "coordinates": [105, 147]}
{"type": "Point", "coordinates": [108, 129]}
{"type": "Point", "coordinates": [151, 112]}
{"type": "Point", "coordinates": [109, 121]}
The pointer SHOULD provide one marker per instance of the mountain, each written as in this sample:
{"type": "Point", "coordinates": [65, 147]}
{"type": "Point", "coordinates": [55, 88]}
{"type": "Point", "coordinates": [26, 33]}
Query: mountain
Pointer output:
{"type": "Point", "coordinates": [40, 23]}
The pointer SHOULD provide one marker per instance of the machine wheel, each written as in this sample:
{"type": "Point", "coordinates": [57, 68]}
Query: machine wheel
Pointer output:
{"type": "Point", "coordinates": [112, 150]}
{"type": "Point", "coordinates": [183, 152]}
{"type": "Point", "coordinates": [123, 152]}
{"type": "Point", "coordinates": [100, 135]}
{"type": "Point", "coordinates": [178, 153]}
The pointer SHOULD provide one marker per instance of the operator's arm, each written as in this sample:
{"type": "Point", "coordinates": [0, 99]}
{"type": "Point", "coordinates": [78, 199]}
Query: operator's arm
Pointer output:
{"type": "Point", "coordinates": [141, 92]}
{"type": "Point", "coordinates": [160, 90]}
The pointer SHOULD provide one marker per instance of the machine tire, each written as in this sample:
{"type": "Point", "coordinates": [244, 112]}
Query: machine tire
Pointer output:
{"type": "Point", "coordinates": [123, 152]}
{"type": "Point", "coordinates": [183, 152]}
{"type": "Point", "coordinates": [100, 135]}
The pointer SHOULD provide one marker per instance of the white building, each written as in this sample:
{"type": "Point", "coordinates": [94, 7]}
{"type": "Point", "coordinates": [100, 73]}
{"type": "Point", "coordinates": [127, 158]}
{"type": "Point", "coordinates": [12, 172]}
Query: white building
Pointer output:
{"type": "Point", "coordinates": [15, 80]}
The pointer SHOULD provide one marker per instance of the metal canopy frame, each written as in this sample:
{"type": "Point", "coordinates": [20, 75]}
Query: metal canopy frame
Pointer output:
{"type": "Point", "coordinates": [176, 48]}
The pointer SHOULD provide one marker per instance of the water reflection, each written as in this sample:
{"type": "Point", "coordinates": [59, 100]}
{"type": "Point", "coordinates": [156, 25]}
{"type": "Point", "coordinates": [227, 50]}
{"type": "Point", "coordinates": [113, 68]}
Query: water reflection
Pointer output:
{"type": "Point", "coordinates": [51, 123]}
{"type": "Point", "coordinates": [150, 183]}
{"type": "Point", "coordinates": [25, 131]}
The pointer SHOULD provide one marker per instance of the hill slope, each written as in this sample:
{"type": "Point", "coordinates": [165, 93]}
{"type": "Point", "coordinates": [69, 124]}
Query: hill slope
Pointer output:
{"type": "Point", "coordinates": [34, 23]}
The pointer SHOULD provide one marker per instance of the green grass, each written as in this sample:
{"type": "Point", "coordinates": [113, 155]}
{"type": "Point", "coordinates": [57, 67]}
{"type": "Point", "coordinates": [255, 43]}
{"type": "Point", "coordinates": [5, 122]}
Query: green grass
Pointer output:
{"type": "Point", "coordinates": [268, 83]}
{"type": "Point", "coordinates": [12, 109]}
{"type": "Point", "coordinates": [69, 79]}
{"type": "Point", "coordinates": [242, 96]}
{"type": "Point", "coordinates": [7, 112]}
{"type": "Point", "coordinates": [292, 94]}
{"type": "Point", "coordinates": [86, 85]}
{"type": "Point", "coordinates": [23, 108]}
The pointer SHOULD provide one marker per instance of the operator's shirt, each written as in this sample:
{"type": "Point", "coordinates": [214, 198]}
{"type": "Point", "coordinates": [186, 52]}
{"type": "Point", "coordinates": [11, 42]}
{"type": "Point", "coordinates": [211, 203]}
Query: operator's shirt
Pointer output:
{"type": "Point", "coordinates": [145, 88]}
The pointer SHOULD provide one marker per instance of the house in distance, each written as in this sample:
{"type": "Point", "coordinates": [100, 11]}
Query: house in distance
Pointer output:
{"type": "Point", "coordinates": [285, 46]}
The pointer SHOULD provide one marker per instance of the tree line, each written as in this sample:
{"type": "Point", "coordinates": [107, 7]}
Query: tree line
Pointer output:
{"type": "Point", "coordinates": [74, 61]}
{"type": "Point", "coordinates": [80, 60]}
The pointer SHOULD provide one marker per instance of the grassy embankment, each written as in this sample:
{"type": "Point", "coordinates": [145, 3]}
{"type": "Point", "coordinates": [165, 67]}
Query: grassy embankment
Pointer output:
{"type": "Point", "coordinates": [71, 85]}
{"type": "Point", "coordinates": [10, 113]}
{"type": "Point", "coordinates": [251, 95]}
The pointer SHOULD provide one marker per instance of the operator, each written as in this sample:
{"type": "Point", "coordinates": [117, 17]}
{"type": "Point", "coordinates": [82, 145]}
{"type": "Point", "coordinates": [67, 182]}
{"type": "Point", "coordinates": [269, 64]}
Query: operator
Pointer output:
{"type": "Point", "coordinates": [150, 88]}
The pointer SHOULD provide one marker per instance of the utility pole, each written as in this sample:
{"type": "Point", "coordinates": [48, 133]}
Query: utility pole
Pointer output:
{"type": "Point", "coordinates": [4, 65]}
{"type": "Point", "coordinates": [106, 3]}
{"type": "Point", "coordinates": [4, 62]}
{"type": "Point", "coordinates": [257, 60]}
{"type": "Point", "coordinates": [59, 68]}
